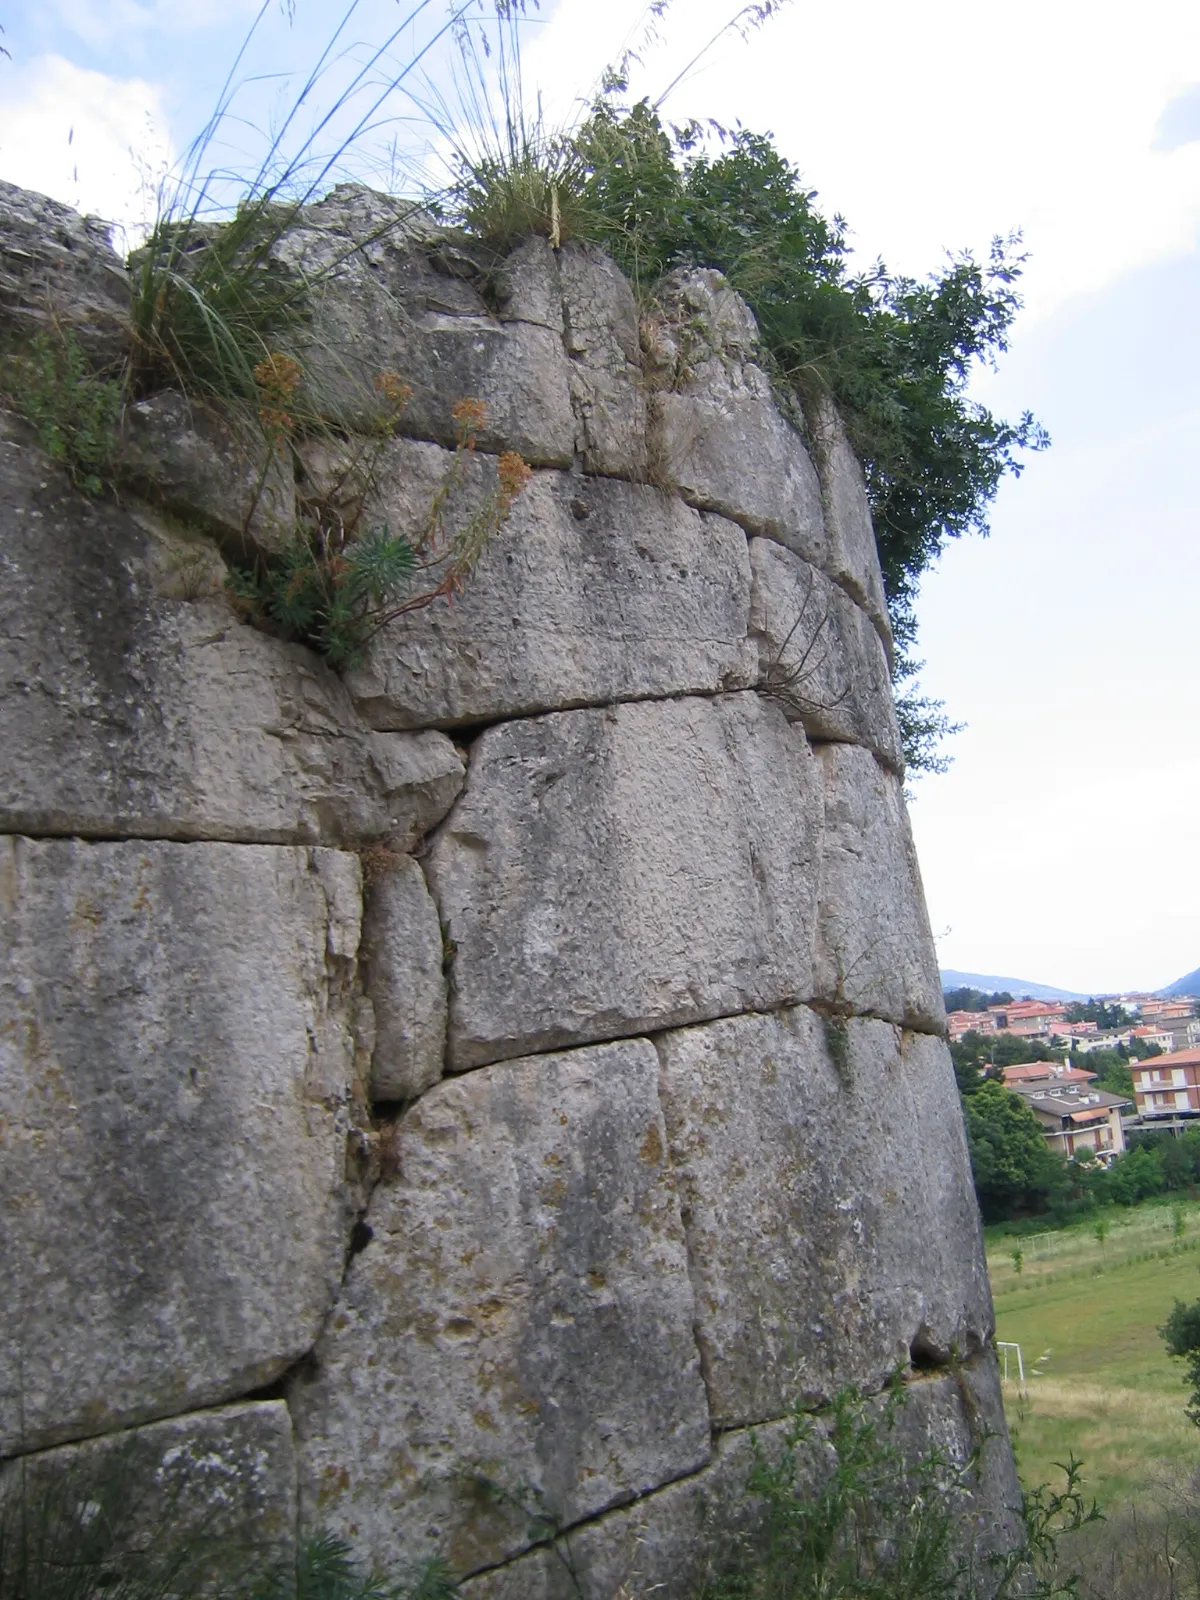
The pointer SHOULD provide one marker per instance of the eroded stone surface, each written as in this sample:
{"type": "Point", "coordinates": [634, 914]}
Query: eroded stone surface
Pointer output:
{"type": "Point", "coordinates": [203, 467]}
{"type": "Point", "coordinates": [391, 294]}
{"type": "Point", "coordinates": [522, 1314]}
{"type": "Point", "coordinates": [603, 342]}
{"type": "Point", "coordinates": [403, 951]}
{"type": "Point", "coordinates": [852, 555]}
{"type": "Point", "coordinates": [59, 272]}
{"type": "Point", "coordinates": [875, 950]}
{"type": "Point", "coordinates": [831, 1219]}
{"type": "Point", "coordinates": [819, 654]}
{"type": "Point", "coordinates": [613, 871]}
{"type": "Point", "coordinates": [674, 1544]}
{"type": "Point", "coordinates": [716, 431]}
{"type": "Point", "coordinates": [176, 1070]}
{"type": "Point", "coordinates": [216, 1488]}
{"type": "Point", "coordinates": [126, 711]}
{"type": "Point", "coordinates": [592, 591]}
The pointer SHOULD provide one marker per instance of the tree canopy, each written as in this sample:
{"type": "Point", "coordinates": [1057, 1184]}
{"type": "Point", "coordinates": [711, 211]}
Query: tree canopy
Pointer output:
{"type": "Point", "coordinates": [1014, 1170]}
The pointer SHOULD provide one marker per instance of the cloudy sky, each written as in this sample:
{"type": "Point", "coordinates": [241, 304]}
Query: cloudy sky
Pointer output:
{"type": "Point", "coordinates": [1064, 843]}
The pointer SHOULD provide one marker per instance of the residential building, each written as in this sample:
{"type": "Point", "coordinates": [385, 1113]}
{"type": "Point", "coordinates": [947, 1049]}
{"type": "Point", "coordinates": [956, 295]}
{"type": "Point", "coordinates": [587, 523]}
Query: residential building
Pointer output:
{"type": "Point", "coordinates": [1029, 1019]}
{"type": "Point", "coordinates": [1165, 1012]}
{"type": "Point", "coordinates": [1043, 1071]}
{"type": "Point", "coordinates": [1168, 1085]}
{"type": "Point", "coordinates": [1184, 1035]}
{"type": "Point", "coordinates": [960, 1022]}
{"type": "Point", "coordinates": [1076, 1117]}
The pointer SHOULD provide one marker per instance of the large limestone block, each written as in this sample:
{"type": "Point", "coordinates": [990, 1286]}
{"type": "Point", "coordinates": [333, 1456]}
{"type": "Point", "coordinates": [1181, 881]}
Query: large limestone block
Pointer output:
{"type": "Point", "coordinates": [522, 1316]}
{"type": "Point", "coordinates": [212, 1494]}
{"type": "Point", "coordinates": [390, 294]}
{"type": "Point", "coordinates": [853, 558]}
{"type": "Point", "coordinates": [820, 655]}
{"type": "Point", "coordinates": [212, 470]}
{"type": "Point", "coordinates": [592, 591]}
{"type": "Point", "coordinates": [125, 711]}
{"type": "Point", "coordinates": [403, 954]}
{"type": "Point", "coordinates": [875, 950]}
{"type": "Point", "coordinates": [604, 344]}
{"type": "Point", "coordinates": [832, 1225]}
{"type": "Point", "coordinates": [59, 274]}
{"type": "Point", "coordinates": [716, 430]}
{"type": "Point", "coordinates": [616, 871]}
{"type": "Point", "coordinates": [680, 1542]}
{"type": "Point", "coordinates": [176, 1071]}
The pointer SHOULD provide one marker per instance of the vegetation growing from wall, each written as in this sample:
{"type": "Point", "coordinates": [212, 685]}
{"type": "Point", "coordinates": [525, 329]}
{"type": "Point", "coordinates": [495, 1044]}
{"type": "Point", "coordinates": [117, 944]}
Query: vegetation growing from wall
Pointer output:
{"type": "Point", "coordinates": [75, 411]}
{"type": "Point", "coordinates": [211, 298]}
{"type": "Point", "coordinates": [339, 579]}
{"type": "Point", "coordinates": [894, 353]}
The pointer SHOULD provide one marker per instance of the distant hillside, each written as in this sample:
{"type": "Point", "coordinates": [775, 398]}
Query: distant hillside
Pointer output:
{"type": "Point", "coordinates": [1018, 987]}
{"type": "Point", "coordinates": [1188, 984]}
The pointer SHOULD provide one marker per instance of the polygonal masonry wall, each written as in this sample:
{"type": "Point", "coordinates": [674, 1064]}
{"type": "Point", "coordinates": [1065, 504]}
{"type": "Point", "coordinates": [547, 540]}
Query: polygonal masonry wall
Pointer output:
{"type": "Point", "coordinates": [522, 1054]}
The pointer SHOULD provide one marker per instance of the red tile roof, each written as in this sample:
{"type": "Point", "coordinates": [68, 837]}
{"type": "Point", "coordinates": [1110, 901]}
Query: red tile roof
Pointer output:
{"type": "Point", "coordinates": [1175, 1058]}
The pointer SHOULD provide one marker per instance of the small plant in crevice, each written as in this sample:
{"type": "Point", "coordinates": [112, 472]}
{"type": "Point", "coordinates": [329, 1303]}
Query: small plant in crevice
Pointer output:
{"type": "Point", "coordinates": [837, 1041]}
{"type": "Point", "coordinates": [74, 410]}
{"type": "Point", "coordinates": [336, 584]}
{"type": "Point", "coordinates": [529, 1506]}
{"type": "Point", "coordinates": [327, 1570]}
{"type": "Point", "coordinates": [792, 675]}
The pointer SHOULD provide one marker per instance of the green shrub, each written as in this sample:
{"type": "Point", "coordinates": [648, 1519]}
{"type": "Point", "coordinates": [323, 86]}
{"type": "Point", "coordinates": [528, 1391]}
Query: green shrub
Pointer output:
{"type": "Point", "coordinates": [74, 410]}
{"type": "Point", "coordinates": [872, 1525]}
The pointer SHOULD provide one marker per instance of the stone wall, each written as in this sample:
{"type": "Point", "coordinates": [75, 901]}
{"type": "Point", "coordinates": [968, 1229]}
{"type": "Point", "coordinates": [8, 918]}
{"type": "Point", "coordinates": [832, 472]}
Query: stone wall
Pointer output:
{"type": "Point", "coordinates": [482, 1088]}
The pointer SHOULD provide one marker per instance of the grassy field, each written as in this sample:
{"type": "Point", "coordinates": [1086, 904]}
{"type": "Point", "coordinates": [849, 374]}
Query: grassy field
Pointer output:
{"type": "Point", "coordinates": [1099, 1382]}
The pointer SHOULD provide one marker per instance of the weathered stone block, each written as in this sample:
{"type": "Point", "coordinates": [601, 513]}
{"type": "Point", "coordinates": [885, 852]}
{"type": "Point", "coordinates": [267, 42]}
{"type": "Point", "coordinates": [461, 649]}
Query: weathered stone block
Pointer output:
{"type": "Point", "coordinates": [211, 471]}
{"type": "Point", "coordinates": [716, 430]}
{"type": "Point", "coordinates": [176, 1071]}
{"type": "Point", "coordinates": [819, 654]}
{"type": "Point", "coordinates": [592, 591]}
{"type": "Point", "coordinates": [875, 950]}
{"type": "Point", "coordinates": [212, 1494]}
{"type": "Point", "coordinates": [672, 1543]}
{"type": "Point", "coordinates": [390, 294]}
{"type": "Point", "coordinates": [59, 272]}
{"type": "Point", "coordinates": [615, 871]}
{"type": "Point", "coordinates": [603, 342]}
{"type": "Point", "coordinates": [402, 947]}
{"type": "Point", "coordinates": [522, 1315]}
{"type": "Point", "coordinates": [675, 1544]}
{"type": "Point", "coordinates": [852, 558]}
{"type": "Point", "coordinates": [123, 711]}
{"type": "Point", "coordinates": [831, 1220]}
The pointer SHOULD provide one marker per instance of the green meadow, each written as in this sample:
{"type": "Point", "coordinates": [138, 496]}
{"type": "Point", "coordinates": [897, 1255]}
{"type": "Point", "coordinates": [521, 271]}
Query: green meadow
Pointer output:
{"type": "Point", "coordinates": [1085, 1303]}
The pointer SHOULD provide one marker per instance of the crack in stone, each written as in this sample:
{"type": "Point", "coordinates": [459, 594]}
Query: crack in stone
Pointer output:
{"type": "Point", "coordinates": [910, 1380]}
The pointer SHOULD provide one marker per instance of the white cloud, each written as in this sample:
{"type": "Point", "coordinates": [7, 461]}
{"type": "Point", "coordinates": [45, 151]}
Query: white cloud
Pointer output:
{"type": "Point", "coordinates": [93, 142]}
